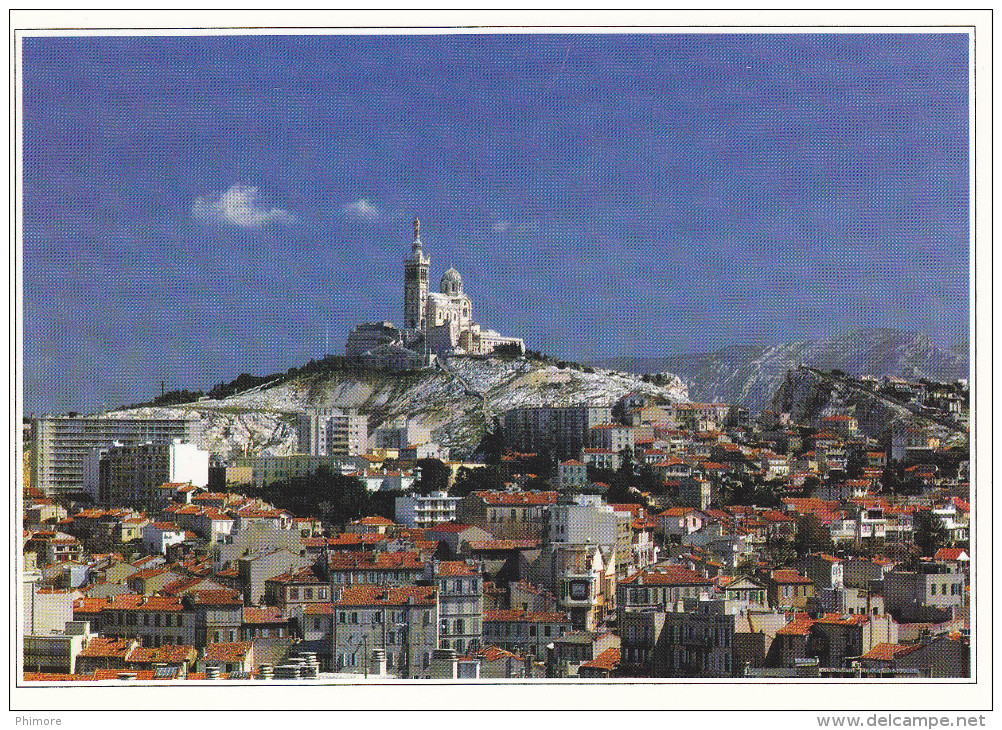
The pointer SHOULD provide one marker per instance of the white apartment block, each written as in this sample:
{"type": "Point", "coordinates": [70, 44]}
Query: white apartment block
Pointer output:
{"type": "Point", "coordinates": [613, 436]}
{"type": "Point", "coordinates": [333, 431]}
{"type": "Point", "coordinates": [60, 445]}
{"type": "Point", "coordinates": [418, 510]}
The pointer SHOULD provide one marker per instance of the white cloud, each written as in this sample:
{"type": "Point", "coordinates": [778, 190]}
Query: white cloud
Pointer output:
{"type": "Point", "coordinates": [239, 207]}
{"type": "Point", "coordinates": [362, 208]}
{"type": "Point", "coordinates": [502, 226]}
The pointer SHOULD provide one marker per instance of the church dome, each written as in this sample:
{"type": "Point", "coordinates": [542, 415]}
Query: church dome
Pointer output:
{"type": "Point", "coordinates": [452, 283]}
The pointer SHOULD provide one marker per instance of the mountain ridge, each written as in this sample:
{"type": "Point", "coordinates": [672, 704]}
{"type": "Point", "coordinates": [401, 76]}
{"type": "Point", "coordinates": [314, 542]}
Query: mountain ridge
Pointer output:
{"type": "Point", "coordinates": [750, 375]}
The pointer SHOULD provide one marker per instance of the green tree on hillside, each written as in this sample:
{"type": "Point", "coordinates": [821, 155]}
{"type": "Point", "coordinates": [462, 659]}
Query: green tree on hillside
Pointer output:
{"type": "Point", "coordinates": [434, 476]}
{"type": "Point", "coordinates": [930, 533]}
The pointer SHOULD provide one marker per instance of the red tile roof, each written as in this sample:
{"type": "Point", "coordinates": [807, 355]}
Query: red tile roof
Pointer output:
{"type": "Point", "coordinates": [132, 602]}
{"type": "Point", "coordinates": [453, 568]}
{"type": "Point", "coordinates": [448, 527]}
{"type": "Point", "coordinates": [263, 615]}
{"type": "Point", "coordinates": [148, 573]}
{"type": "Point", "coordinates": [305, 575]}
{"type": "Point", "coordinates": [374, 561]}
{"type": "Point", "coordinates": [493, 654]}
{"type": "Point", "coordinates": [505, 544]}
{"type": "Point", "coordinates": [180, 587]}
{"type": "Point", "coordinates": [789, 576]}
{"type": "Point", "coordinates": [888, 652]}
{"type": "Point", "coordinates": [107, 648]}
{"type": "Point", "coordinates": [169, 653]}
{"type": "Point", "coordinates": [54, 677]}
{"type": "Point", "coordinates": [165, 526]}
{"type": "Point", "coordinates": [385, 596]}
{"type": "Point", "coordinates": [517, 498]}
{"type": "Point", "coordinates": [89, 605]}
{"type": "Point", "coordinates": [141, 675]}
{"type": "Point", "coordinates": [227, 652]}
{"type": "Point", "coordinates": [676, 512]}
{"type": "Point", "coordinates": [828, 558]}
{"type": "Point", "coordinates": [376, 521]}
{"type": "Point", "coordinates": [607, 660]}
{"type": "Point", "coordinates": [346, 540]}
{"type": "Point", "coordinates": [800, 625]}
{"type": "Point", "coordinates": [666, 576]}
{"type": "Point", "coordinates": [526, 616]}
{"type": "Point", "coordinates": [951, 554]}
{"type": "Point", "coordinates": [216, 597]}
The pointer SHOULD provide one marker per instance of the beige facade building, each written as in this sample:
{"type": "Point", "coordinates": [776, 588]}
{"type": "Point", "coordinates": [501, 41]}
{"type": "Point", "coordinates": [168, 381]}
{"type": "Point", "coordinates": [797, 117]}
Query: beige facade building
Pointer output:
{"type": "Point", "coordinates": [262, 470]}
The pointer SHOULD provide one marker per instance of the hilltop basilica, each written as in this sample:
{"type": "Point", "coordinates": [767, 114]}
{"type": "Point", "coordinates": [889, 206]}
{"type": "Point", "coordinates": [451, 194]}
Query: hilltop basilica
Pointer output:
{"type": "Point", "coordinates": [436, 324]}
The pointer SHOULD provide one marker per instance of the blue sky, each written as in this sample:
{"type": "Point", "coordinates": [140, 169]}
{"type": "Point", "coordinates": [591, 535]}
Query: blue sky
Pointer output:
{"type": "Point", "coordinates": [199, 207]}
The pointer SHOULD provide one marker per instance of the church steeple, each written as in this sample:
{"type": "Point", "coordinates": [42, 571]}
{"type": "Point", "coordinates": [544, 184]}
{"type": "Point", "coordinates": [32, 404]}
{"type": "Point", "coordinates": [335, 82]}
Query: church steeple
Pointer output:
{"type": "Point", "coordinates": [416, 246]}
{"type": "Point", "coordinates": [415, 283]}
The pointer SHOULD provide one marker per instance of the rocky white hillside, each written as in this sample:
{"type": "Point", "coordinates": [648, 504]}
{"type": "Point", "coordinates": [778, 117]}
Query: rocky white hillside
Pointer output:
{"type": "Point", "coordinates": [455, 403]}
{"type": "Point", "coordinates": [752, 375]}
{"type": "Point", "coordinates": [809, 398]}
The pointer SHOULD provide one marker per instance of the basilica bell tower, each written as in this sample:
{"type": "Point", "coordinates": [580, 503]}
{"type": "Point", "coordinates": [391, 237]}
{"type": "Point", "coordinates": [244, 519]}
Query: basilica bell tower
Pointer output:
{"type": "Point", "coordinates": [415, 283]}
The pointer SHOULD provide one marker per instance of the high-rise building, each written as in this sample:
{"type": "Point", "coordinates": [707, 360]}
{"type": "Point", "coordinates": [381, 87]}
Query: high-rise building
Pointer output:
{"type": "Point", "coordinates": [333, 432]}
{"type": "Point", "coordinates": [60, 445]}
{"type": "Point", "coordinates": [129, 474]}
{"type": "Point", "coordinates": [565, 430]}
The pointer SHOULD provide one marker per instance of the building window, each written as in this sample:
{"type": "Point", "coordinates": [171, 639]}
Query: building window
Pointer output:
{"type": "Point", "coordinates": [308, 594]}
{"type": "Point", "coordinates": [293, 594]}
